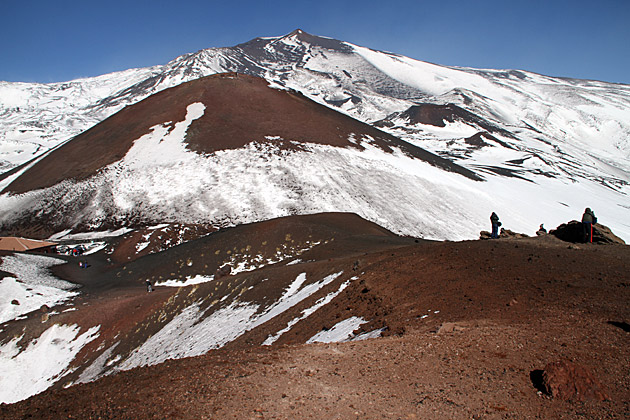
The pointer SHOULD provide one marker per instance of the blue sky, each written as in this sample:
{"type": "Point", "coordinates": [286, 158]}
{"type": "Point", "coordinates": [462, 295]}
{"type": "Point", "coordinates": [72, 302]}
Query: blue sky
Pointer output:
{"type": "Point", "coordinates": [59, 40]}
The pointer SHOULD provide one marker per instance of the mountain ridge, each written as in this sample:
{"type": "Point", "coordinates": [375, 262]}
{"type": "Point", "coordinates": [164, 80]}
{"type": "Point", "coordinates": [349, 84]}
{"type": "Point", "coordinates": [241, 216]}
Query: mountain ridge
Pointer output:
{"type": "Point", "coordinates": [243, 111]}
{"type": "Point", "coordinates": [571, 133]}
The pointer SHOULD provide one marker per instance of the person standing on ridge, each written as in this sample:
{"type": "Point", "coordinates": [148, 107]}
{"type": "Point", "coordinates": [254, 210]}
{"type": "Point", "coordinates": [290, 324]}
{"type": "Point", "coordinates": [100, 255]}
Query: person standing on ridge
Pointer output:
{"type": "Point", "coordinates": [588, 220]}
{"type": "Point", "coordinates": [494, 219]}
{"type": "Point", "coordinates": [149, 286]}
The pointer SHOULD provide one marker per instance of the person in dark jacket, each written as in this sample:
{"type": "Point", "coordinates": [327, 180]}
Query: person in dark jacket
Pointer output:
{"type": "Point", "coordinates": [149, 286]}
{"type": "Point", "coordinates": [588, 220]}
{"type": "Point", "coordinates": [494, 219]}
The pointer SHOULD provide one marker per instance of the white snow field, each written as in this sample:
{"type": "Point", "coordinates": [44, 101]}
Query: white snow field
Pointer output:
{"type": "Point", "coordinates": [192, 332]}
{"type": "Point", "coordinates": [29, 369]}
{"type": "Point", "coordinates": [565, 145]}
{"type": "Point", "coordinates": [400, 193]}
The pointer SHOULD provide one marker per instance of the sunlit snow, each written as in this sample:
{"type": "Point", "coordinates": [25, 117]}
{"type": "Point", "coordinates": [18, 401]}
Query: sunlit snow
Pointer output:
{"type": "Point", "coordinates": [190, 333]}
{"type": "Point", "coordinates": [44, 361]}
{"type": "Point", "coordinates": [306, 313]}
{"type": "Point", "coordinates": [30, 285]}
{"type": "Point", "coordinates": [341, 331]}
{"type": "Point", "coordinates": [576, 131]}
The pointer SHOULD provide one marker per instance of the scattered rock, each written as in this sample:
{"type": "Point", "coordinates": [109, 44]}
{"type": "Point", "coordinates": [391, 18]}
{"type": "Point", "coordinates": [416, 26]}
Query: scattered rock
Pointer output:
{"type": "Point", "coordinates": [484, 234]}
{"type": "Point", "coordinates": [15, 302]}
{"type": "Point", "coordinates": [44, 309]}
{"type": "Point", "coordinates": [505, 233]}
{"type": "Point", "coordinates": [449, 327]}
{"type": "Point", "coordinates": [223, 271]}
{"type": "Point", "coordinates": [566, 380]}
{"type": "Point", "coordinates": [573, 232]}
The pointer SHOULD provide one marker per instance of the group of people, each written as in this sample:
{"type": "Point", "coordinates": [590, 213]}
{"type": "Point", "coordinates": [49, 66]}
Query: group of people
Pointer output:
{"type": "Point", "coordinates": [588, 220]}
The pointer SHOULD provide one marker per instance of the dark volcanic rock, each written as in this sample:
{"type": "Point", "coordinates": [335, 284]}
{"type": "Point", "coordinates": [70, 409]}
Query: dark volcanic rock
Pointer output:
{"type": "Point", "coordinates": [504, 233]}
{"type": "Point", "coordinates": [566, 380]}
{"type": "Point", "coordinates": [438, 115]}
{"type": "Point", "coordinates": [573, 232]}
{"type": "Point", "coordinates": [223, 271]}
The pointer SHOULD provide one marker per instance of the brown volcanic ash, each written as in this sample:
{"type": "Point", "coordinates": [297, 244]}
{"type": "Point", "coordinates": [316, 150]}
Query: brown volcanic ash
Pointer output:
{"type": "Point", "coordinates": [469, 324]}
{"type": "Point", "coordinates": [240, 109]}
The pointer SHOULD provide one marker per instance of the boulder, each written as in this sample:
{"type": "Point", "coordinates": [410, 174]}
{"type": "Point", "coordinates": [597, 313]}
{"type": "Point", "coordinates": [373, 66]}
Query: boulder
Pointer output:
{"type": "Point", "coordinates": [573, 232]}
{"type": "Point", "coordinates": [504, 233]}
{"type": "Point", "coordinates": [566, 380]}
{"type": "Point", "coordinates": [223, 271]}
{"type": "Point", "coordinates": [449, 327]}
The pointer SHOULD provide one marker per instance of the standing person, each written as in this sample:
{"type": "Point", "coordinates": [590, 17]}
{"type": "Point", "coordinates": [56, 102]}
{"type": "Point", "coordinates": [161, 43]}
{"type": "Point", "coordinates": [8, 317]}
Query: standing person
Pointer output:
{"type": "Point", "coordinates": [588, 219]}
{"type": "Point", "coordinates": [149, 287]}
{"type": "Point", "coordinates": [494, 219]}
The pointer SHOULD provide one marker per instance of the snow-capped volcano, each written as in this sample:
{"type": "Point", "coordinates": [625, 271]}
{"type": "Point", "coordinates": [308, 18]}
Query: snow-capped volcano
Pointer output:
{"type": "Point", "coordinates": [546, 147]}
{"type": "Point", "coordinates": [227, 149]}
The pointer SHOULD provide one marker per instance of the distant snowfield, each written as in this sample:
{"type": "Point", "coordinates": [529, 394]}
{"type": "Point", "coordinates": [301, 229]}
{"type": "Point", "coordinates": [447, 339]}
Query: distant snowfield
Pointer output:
{"type": "Point", "coordinates": [576, 130]}
{"type": "Point", "coordinates": [260, 182]}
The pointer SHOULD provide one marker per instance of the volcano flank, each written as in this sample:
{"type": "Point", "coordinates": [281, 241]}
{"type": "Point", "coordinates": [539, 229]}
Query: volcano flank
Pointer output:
{"type": "Point", "coordinates": [287, 229]}
{"type": "Point", "coordinates": [466, 328]}
{"type": "Point", "coordinates": [239, 110]}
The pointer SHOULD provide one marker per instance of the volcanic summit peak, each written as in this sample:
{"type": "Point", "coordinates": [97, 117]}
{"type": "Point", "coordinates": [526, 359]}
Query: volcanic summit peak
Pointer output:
{"type": "Point", "coordinates": [298, 37]}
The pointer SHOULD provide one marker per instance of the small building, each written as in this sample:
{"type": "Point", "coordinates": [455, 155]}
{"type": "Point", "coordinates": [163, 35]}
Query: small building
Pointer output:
{"type": "Point", "coordinates": [11, 243]}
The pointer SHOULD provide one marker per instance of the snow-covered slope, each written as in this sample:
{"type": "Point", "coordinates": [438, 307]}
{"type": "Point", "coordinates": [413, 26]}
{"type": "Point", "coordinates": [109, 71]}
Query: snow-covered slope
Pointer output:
{"type": "Point", "coordinates": [547, 147]}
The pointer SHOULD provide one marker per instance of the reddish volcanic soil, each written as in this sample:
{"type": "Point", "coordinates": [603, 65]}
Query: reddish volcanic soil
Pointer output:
{"type": "Point", "coordinates": [506, 307]}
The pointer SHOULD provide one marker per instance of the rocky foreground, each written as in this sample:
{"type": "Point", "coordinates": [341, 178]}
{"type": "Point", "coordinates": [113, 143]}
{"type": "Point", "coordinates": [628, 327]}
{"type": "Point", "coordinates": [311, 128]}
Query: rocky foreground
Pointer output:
{"type": "Point", "coordinates": [508, 328]}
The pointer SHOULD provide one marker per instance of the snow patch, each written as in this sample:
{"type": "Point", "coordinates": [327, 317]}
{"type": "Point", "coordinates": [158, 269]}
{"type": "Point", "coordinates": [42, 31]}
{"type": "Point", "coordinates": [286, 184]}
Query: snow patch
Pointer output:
{"type": "Point", "coordinates": [341, 331]}
{"type": "Point", "coordinates": [67, 236]}
{"type": "Point", "coordinates": [307, 312]}
{"type": "Point", "coordinates": [191, 333]}
{"type": "Point", "coordinates": [31, 285]}
{"type": "Point", "coordinates": [29, 371]}
{"type": "Point", "coordinates": [189, 281]}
